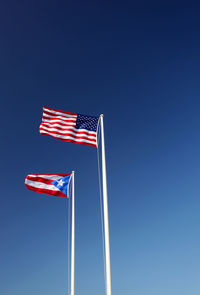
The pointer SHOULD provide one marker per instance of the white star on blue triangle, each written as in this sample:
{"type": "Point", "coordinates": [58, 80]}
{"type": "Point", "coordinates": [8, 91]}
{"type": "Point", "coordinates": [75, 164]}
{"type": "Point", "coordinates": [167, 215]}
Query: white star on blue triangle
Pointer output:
{"type": "Point", "coordinates": [62, 184]}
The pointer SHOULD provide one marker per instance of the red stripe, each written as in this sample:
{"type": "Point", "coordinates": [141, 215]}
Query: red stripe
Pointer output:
{"type": "Point", "coordinates": [55, 118]}
{"type": "Point", "coordinates": [63, 124]}
{"type": "Point", "coordinates": [59, 111]}
{"type": "Point", "coordinates": [70, 140]}
{"type": "Point", "coordinates": [66, 122]}
{"type": "Point", "coordinates": [69, 134]}
{"type": "Point", "coordinates": [46, 191]}
{"type": "Point", "coordinates": [67, 128]}
{"type": "Point", "coordinates": [40, 179]}
{"type": "Point", "coordinates": [51, 174]}
{"type": "Point", "coordinates": [55, 115]}
{"type": "Point", "coordinates": [93, 136]}
{"type": "Point", "coordinates": [52, 125]}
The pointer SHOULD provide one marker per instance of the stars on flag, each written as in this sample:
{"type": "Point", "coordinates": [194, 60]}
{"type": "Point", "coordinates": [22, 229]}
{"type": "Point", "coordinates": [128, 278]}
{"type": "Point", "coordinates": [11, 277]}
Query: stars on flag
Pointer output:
{"type": "Point", "coordinates": [60, 182]}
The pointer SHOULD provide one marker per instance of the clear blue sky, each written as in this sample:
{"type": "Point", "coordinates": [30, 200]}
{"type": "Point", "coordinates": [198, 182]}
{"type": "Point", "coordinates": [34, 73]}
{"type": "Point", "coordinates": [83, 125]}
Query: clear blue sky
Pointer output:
{"type": "Point", "coordinates": [139, 64]}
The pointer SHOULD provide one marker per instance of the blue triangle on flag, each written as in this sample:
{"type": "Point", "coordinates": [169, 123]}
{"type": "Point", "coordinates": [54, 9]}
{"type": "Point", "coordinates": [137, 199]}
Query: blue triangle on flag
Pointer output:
{"type": "Point", "coordinates": [62, 184]}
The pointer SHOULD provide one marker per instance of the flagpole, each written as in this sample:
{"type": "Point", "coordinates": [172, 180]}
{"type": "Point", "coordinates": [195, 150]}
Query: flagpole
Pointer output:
{"type": "Point", "coordinates": [105, 208]}
{"type": "Point", "coordinates": [73, 240]}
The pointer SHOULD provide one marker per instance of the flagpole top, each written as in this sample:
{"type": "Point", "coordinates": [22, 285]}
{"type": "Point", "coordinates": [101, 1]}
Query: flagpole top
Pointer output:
{"type": "Point", "coordinates": [102, 115]}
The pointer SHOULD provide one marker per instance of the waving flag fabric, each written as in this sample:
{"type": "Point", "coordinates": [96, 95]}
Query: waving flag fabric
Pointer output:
{"type": "Point", "coordinates": [49, 184]}
{"type": "Point", "coordinates": [71, 127]}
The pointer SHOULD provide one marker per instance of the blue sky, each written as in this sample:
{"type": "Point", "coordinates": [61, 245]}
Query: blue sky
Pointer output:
{"type": "Point", "coordinates": [138, 63]}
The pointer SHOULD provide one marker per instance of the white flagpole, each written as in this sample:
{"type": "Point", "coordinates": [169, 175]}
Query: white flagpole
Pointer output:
{"type": "Point", "coordinates": [106, 220]}
{"type": "Point", "coordinates": [73, 240]}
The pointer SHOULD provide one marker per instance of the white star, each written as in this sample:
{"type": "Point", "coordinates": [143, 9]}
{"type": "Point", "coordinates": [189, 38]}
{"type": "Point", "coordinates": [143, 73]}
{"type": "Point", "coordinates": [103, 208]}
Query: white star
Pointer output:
{"type": "Point", "coordinates": [60, 182]}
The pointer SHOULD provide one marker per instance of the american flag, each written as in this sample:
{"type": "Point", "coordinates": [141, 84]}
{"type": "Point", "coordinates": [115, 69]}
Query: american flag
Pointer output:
{"type": "Point", "coordinates": [71, 127]}
{"type": "Point", "coordinates": [49, 184]}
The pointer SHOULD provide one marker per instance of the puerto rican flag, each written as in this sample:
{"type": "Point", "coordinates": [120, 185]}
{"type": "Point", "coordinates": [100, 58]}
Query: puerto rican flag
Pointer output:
{"type": "Point", "coordinates": [49, 184]}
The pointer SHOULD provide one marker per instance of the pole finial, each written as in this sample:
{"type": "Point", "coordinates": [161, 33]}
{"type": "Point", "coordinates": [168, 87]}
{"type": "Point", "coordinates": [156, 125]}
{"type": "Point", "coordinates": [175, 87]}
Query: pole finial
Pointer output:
{"type": "Point", "coordinates": [101, 115]}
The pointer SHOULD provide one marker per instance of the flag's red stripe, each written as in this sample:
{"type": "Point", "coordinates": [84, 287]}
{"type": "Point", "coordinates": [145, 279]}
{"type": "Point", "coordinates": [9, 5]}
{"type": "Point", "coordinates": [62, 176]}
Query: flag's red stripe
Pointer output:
{"type": "Point", "coordinates": [40, 179]}
{"type": "Point", "coordinates": [69, 134]}
{"type": "Point", "coordinates": [54, 110]}
{"type": "Point", "coordinates": [75, 134]}
{"type": "Point", "coordinates": [60, 123]}
{"type": "Point", "coordinates": [74, 137]}
{"type": "Point", "coordinates": [46, 191]}
{"type": "Point", "coordinates": [51, 174]}
{"type": "Point", "coordinates": [66, 129]}
{"type": "Point", "coordinates": [60, 119]}
{"type": "Point", "coordinates": [55, 115]}
{"type": "Point", "coordinates": [74, 141]}
{"type": "Point", "coordinates": [64, 122]}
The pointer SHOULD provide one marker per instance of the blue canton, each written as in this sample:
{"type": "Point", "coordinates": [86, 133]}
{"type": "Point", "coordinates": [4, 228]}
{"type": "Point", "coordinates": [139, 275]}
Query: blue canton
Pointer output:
{"type": "Point", "coordinates": [62, 184]}
{"type": "Point", "coordinates": [86, 122]}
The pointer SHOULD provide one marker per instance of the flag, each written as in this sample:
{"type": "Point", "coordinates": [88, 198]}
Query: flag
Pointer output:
{"type": "Point", "coordinates": [49, 184]}
{"type": "Point", "coordinates": [71, 127]}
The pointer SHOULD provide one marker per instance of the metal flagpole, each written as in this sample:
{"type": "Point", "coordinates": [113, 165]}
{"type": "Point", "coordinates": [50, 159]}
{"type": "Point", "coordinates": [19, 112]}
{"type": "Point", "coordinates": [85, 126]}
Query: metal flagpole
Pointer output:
{"type": "Point", "coordinates": [73, 240]}
{"type": "Point", "coordinates": [106, 220]}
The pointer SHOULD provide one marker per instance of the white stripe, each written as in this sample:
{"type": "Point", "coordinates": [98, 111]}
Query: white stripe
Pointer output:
{"type": "Point", "coordinates": [67, 128]}
{"type": "Point", "coordinates": [59, 113]}
{"type": "Point", "coordinates": [68, 137]}
{"type": "Point", "coordinates": [53, 177]}
{"type": "Point", "coordinates": [38, 184]}
{"type": "Point", "coordinates": [56, 120]}
{"type": "Point", "coordinates": [67, 131]}
{"type": "Point", "coordinates": [60, 117]}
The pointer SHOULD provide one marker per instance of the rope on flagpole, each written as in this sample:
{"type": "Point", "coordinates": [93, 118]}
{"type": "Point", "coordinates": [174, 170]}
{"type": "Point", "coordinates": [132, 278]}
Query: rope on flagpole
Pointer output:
{"type": "Point", "coordinates": [101, 205]}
